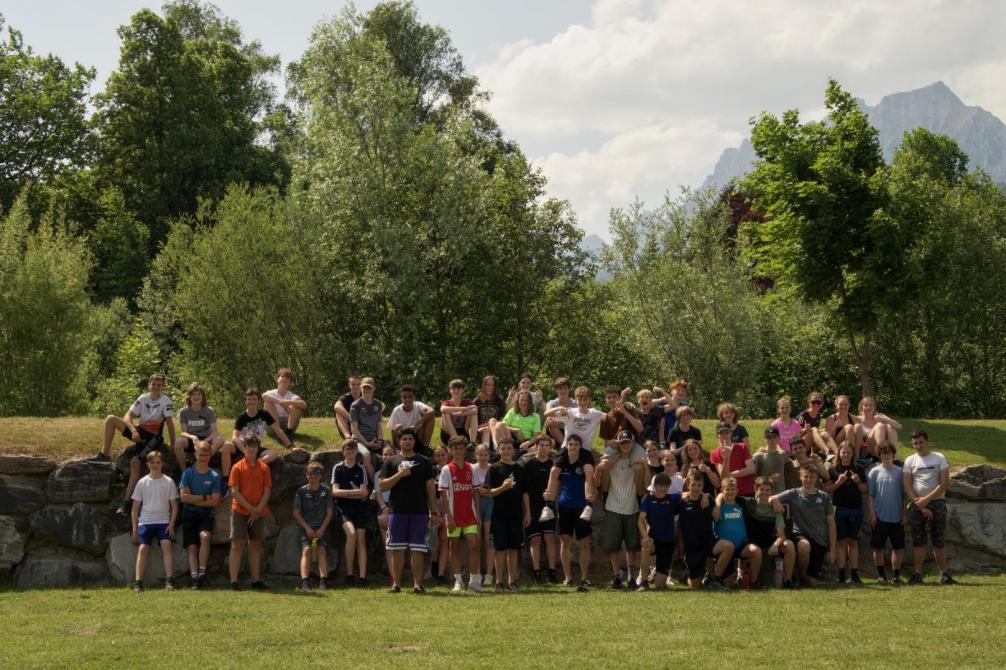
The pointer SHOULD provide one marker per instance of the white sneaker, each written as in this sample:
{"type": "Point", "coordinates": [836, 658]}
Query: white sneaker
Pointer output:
{"type": "Point", "coordinates": [587, 513]}
{"type": "Point", "coordinates": [488, 580]}
{"type": "Point", "coordinates": [546, 514]}
{"type": "Point", "coordinates": [458, 587]}
{"type": "Point", "coordinates": [475, 585]}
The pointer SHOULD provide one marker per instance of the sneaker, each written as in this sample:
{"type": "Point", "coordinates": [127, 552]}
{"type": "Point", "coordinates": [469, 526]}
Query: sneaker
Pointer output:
{"type": "Point", "coordinates": [305, 586]}
{"type": "Point", "coordinates": [137, 586]}
{"type": "Point", "coordinates": [854, 578]}
{"type": "Point", "coordinates": [418, 590]}
{"type": "Point", "coordinates": [194, 584]}
{"type": "Point", "coordinates": [100, 457]}
{"type": "Point", "coordinates": [567, 582]}
{"type": "Point", "coordinates": [259, 586]}
{"type": "Point", "coordinates": [947, 580]}
{"type": "Point", "coordinates": [498, 588]}
{"type": "Point", "coordinates": [791, 584]}
{"type": "Point", "coordinates": [841, 578]}
{"type": "Point", "coordinates": [122, 508]}
{"type": "Point", "coordinates": [587, 583]}
{"type": "Point", "coordinates": [512, 587]}
{"type": "Point", "coordinates": [322, 584]}
{"type": "Point", "coordinates": [475, 585]}
{"type": "Point", "coordinates": [395, 589]}
{"type": "Point", "coordinates": [897, 581]}
{"type": "Point", "coordinates": [583, 586]}
{"type": "Point", "coordinates": [348, 581]}
{"type": "Point", "coordinates": [553, 578]}
{"type": "Point", "coordinates": [235, 586]}
{"type": "Point", "coordinates": [642, 588]}
{"type": "Point", "coordinates": [458, 587]}
{"type": "Point", "coordinates": [587, 513]}
{"type": "Point", "coordinates": [546, 514]}
{"type": "Point", "coordinates": [488, 580]}
{"type": "Point", "coordinates": [716, 585]}
{"type": "Point", "coordinates": [882, 580]}
{"type": "Point", "coordinates": [916, 579]}
{"type": "Point", "coordinates": [616, 583]}
{"type": "Point", "coordinates": [169, 584]}
{"type": "Point", "coordinates": [360, 582]}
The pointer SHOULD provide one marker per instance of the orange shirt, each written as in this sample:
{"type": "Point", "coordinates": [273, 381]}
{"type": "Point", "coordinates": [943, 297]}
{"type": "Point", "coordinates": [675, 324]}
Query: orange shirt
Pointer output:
{"type": "Point", "coordinates": [251, 481]}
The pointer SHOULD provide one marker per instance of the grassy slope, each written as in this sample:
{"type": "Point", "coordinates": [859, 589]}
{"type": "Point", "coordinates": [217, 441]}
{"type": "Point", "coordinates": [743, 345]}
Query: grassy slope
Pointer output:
{"type": "Point", "coordinates": [927, 626]}
{"type": "Point", "coordinates": [963, 442]}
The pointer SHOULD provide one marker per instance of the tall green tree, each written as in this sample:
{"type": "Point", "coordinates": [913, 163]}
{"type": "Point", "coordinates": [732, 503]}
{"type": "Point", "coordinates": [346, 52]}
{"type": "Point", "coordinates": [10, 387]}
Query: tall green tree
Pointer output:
{"type": "Point", "coordinates": [186, 113]}
{"type": "Point", "coordinates": [821, 188]}
{"type": "Point", "coordinates": [43, 108]}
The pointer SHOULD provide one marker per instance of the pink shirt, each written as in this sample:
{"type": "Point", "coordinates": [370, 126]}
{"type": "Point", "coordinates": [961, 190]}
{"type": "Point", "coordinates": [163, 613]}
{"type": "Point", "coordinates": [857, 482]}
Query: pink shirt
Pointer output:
{"type": "Point", "coordinates": [787, 432]}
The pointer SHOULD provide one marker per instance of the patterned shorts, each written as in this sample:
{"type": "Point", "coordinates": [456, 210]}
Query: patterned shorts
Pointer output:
{"type": "Point", "coordinates": [937, 526]}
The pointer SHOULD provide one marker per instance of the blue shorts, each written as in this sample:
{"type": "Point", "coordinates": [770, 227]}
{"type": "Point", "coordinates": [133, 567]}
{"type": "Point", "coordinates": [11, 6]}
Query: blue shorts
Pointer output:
{"type": "Point", "coordinates": [848, 522]}
{"type": "Point", "coordinates": [145, 532]}
{"type": "Point", "coordinates": [486, 508]}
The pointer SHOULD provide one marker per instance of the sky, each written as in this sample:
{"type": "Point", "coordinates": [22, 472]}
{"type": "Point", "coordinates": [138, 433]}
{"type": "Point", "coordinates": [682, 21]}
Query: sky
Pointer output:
{"type": "Point", "coordinates": [623, 99]}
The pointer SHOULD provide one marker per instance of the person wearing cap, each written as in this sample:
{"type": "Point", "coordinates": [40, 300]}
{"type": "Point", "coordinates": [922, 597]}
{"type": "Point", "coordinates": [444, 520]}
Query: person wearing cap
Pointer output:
{"type": "Point", "coordinates": [458, 415]}
{"type": "Point", "coordinates": [365, 418]}
{"type": "Point", "coordinates": [624, 478]}
{"type": "Point", "coordinates": [733, 460]}
{"type": "Point", "coordinates": [770, 462]}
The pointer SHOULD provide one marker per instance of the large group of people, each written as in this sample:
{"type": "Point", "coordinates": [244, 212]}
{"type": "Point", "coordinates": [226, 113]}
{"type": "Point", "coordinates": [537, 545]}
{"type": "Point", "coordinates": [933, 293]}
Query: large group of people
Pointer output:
{"type": "Point", "coordinates": [519, 471]}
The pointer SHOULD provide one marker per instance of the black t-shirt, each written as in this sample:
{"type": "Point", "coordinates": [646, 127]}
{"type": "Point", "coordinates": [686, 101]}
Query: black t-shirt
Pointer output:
{"type": "Point", "coordinates": [679, 436]}
{"type": "Point", "coordinates": [651, 424]}
{"type": "Point", "coordinates": [494, 408]}
{"type": "Point", "coordinates": [350, 479]}
{"type": "Point", "coordinates": [408, 496]}
{"type": "Point", "coordinates": [805, 419]}
{"type": "Point", "coordinates": [848, 494]}
{"type": "Point", "coordinates": [347, 400]}
{"type": "Point", "coordinates": [586, 456]}
{"type": "Point", "coordinates": [655, 470]}
{"type": "Point", "coordinates": [507, 505]}
{"type": "Point", "coordinates": [696, 524]}
{"type": "Point", "coordinates": [707, 483]}
{"type": "Point", "coordinates": [253, 424]}
{"type": "Point", "coordinates": [537, 473]}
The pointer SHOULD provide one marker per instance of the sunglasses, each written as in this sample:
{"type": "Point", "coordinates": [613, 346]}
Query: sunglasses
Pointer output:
{"type": "Point", "coordinates": [816, 402]}
{"type": "Point", "coordinates": [314, 473]}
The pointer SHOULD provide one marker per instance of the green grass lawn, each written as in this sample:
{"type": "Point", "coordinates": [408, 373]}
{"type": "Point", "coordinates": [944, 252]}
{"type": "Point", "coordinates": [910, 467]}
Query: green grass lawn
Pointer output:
{"type": "Point", "coordinates": [963, 442]}
{"type": "Point", "coordinates": [868, 627]}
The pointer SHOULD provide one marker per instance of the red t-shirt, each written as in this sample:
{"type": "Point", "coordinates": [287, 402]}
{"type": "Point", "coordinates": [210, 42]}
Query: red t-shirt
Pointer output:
{"type": "Point", "coordinates": [457, 481]}
{"type": "Point", "coordinates": [738, 457]}
{"type": "Point", "coordinates": [251, 481]}
{"type": "Point", "coordinates": [457, 420]}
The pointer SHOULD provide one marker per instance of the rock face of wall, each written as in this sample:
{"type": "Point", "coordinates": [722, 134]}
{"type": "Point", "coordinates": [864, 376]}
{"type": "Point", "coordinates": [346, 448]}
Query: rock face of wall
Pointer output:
{"type": "Point", "coordinates": [58, 527]}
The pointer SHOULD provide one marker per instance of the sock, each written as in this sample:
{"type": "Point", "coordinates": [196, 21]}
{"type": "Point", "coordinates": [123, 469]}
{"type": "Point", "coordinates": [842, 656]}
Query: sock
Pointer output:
{"type": "Point", "coordinates": [474, 578]}
{"type": "Point", "coordinates": [457, 579]}
{"type": "Point", "coordinates": [194, 575]}
{"type": "Point", "coordinates": [633, 573]}
{"type": "Point", "coordinates": [882, 571]}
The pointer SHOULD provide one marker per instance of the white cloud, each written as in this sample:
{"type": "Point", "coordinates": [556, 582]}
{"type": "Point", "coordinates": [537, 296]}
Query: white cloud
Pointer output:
{"type": "Point", "coordinates": [664, 86]}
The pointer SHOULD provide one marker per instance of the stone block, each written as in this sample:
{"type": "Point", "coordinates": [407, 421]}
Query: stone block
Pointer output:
{"type": "Point", "coordinates": [977, 525]}
{"type": "Point", "coordinates": [26, 465]}
{"type": "Point", "coordinates": [13, 536]}
{"type": "Point", "coordinates": [121, 556]}
{"type": "Point", "coordinates": [979, 482]}
{"type": "Point", "coordinates": [80, 526]}
{"type": "Point", "coordinates": [284, 559]}
{"type": "Point", "coordinates": [81, 481]}
{"type": "Point", "coordinates": [22, 494]}
{"type": "Point", "coordinates": [50, 567]}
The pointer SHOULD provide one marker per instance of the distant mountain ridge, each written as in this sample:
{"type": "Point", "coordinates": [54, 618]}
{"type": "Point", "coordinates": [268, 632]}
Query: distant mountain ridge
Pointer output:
{"type": "Point", "coordinates": [936, 108]}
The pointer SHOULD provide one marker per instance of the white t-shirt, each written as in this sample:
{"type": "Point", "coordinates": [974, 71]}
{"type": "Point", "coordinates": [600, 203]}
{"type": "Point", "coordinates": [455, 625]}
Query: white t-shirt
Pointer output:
{"type": "Point", "coordinates": [400, 418]}
{"type": "Point", "coordinates": [581, 424]}
{"type": "Point", "coordinates": [274, 394]}
{"type": "Point", "coordinates": [156, 496]}
{"type": "Point", "coordinates": [925, 471]}
{"type": "Point", "coordinates": [152, 413]}
{"type": "Point", "coordinates": [677, 484]}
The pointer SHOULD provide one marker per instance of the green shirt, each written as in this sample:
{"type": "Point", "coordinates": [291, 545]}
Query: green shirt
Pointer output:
{"type": "Point", "coordinates": [529, 425]}
{"type": "Point", "coordinates": [767, 464]}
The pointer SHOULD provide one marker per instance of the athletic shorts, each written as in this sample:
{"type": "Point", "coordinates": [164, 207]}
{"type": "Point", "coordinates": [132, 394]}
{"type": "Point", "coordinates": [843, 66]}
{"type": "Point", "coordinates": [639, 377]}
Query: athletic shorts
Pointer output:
{"type": "Point", "coordinates": [192, 526]}
{"type": "Point", "coordinates": [885, 531]}
{"type": "Point", "coordinates": [305, 541]}
{"type": "Point", "coordinates": [242, 530]}
{"type": "Point", "coordinates": [817, 553]}
{"type": "Point", "coordinates": [473, 529]}
{"type": "Point", "coordinates": [848, 522]}
{"type": "Point", "coordinates": [357, 516]}
{"type": "Point", "coordinates": [619, 528]}
{"type": "Point", "coordinates": [695, 559]}
{"type": "Point", "coordinates": [537, 528]}
{"type": "Point", "coordinates": [485, 508]}
{"type": "Point", "coordinates": [508, 533]}
{"type": "Point", "coordinates": [148, 442]}
{"type": "Point", "coordinates": [570, 522]}
{"type": "Point", "coordinates": [407, 531]}
{"type": "Point", "coordinates": [664, 551]}
{"type": "Point", "coordinates": [937, 527]}
{"type": "Point", "coordinates": [146, 532]}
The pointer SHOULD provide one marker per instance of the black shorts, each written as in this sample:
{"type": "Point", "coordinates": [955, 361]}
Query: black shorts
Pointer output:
{"type": "Point", "coordinates": [885, 531]}
{"type": "Point", "coordinates": [148, 442]}
{"type": "Point", "coordinates": [663, 551]}
{"type": "Point", "coordinates": [570, 523]}
{"type": "Point", "coordinates": [817, 552]}
{"type": "Point", "coordinates": [192, 526]}
{"type": "Point", "coordinates": [695, 559]}
{"type": "Point", "coordinates": [357, 516]}
{"type": "Point", "coordinates": [537, 528]}
{"type": "Point", "coordinates": [508, 533]}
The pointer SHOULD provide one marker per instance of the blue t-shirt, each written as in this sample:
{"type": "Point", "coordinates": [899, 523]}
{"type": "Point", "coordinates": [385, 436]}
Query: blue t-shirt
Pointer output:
{"type": "Point", "coordinates": [660, 515]}
{"type": "Point", "coordinates": [205, 483]}
{"type": "Point", "coordinates": [731, 526]}
{"type": "Point", "coordinates": [670, 418]}
{"type": "Point", "coordinates": [571, 482]}
{"type": "Point", "coordinates": [349, 479]}
{"type": "Point", "coordinates": [888, 496]}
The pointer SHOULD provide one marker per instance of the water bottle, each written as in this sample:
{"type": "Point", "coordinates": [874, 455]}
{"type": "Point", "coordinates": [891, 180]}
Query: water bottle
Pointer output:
{"type": "Point", "coordinates": [778, 573]}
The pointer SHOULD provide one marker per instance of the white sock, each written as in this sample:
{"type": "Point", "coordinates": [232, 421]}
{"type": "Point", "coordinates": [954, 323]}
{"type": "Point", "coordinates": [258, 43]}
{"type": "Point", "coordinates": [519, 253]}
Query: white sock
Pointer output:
{"type": "Point", "coordinates": [475, 579]}
{"type": "Point", "coordinates": [457, 578]}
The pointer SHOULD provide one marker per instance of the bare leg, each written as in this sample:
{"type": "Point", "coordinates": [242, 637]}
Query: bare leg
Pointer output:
{"type": "Point", "coordinates": [343, 425]}
{"type": "Point", "coordinates": [511, 559]}
{"type": "Point", "coordinates": [473, 553]}
{"type": "Point", "coordinates": [789, 559]}
{"type": "Point", "coordinates": [853, 546]}
{"type": "Point", "coordinates": [940, 554]}
{"type": "Point", "coordinates": [418, 568]}
{"type": "Point", "coordinates": [193, 552]}
{"type": "Point", "coordinates": [141, 561]}
{"type": "Point", "coordinates": [426, 429]}
{"type": "Point", "coordinates": [323, 562]}
{"type": "Point", "coordinates": [255, 559]}
{"type": "Point", "coordinates": [349, 530]}
{"type": "Point", "coordinates": [550, 549]}
{"type": "Point", "coordinates": [486, 533]}
{"type": "Point", "coordinates": [499, 556]}
{"type": "Point", "coordinates": [584, 557]}
{"type": "Point", "coordinates": [566, 557]}
{"type": "Point", "coordinates": [293, 418]}
{"type": "Point", "coordinates": [205, 541]}
{"type": "Point", "coordinates": [268, 456]}
{"type": "Point", "coordinates": [234, 561]}
{"type": "Point", "coordinates": [113, 425]}
{"type": "Point", "coordinates": [724, 553]}
{"type": "Point", "coordinates": [472, 427]}
{"type": "Point", "coordinates": [226, 458]}
{"type": "Point", "coordinates": [535, 549]}
{"type": "Point", "coordinates": [134, 476]}
{"type": "Point", "coordinates": [305, 562]}
{"type": "Point", "coordinates": [803, 557]}
{"type": "Point", "coordinates": [361, 552]}
{"type": "Point", "coordinates": [755, 557]}
{"type": "Point", "coordinates": [398, 564]}
{"type": "Point", "coordinates": [179, 449]}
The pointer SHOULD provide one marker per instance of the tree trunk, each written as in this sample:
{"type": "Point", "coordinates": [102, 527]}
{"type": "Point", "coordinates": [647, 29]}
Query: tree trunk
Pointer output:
{"type": "Point", "coordinates": [864, 359]}
{"type": "Point", "coordinates": [932, 361]}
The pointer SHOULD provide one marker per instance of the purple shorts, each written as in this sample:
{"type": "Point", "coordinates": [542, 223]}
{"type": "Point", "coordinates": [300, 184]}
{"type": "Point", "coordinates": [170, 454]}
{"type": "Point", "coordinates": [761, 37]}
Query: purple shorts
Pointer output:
{"type": "Point", "coordinates": [407, 531]}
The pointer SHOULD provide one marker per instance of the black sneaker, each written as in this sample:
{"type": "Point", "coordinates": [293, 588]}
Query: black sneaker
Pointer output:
{"type": "Point", "coordinates": [194, 583]}
{"type": "Point", "coordinates": [305, 586]}
{"type": "Point", "coordinates": [553, 578]}
{"type": "Point", "coordinates": [512, 587]}
{"type": "Point", "coordinates": [498, 588]}
{"type": "Point", "coordinates": [587, 583]}
{"type": "Point", "coordinates": [100, 457]}
{"type": "Point", "coordinates": [583, 586]}
{"type": "Point", "coordinates": [854, 578]}
{"type": "Point", "coordinates": [360, 583]}
{"type": "Point", "coordinates": [715, 585]}
{"type": "Point", "coordinates": [137, 586]}
{"type": "Point", "coordinates": [947, 580]}
{"type": "Point", "coordinates": [259, 586]}
{"type": "Point", "coordinates": [235, 586]}
{"type": "Point", "coordinates": [791, 584]}
{"type": "Point", "coordinates": [536, 578]}
{"type": "Point", "coordinates": [882, 580]}
{"type": "Point", "coordinates": [418, 590]}
{"type": "Point", "coordinates": [348, 581]}
{"type": "Point", "coordinates": [169, 584]}
{"type": "Point", "coordinates": [395, 589]}
{"type": "Point", "coordinates": [616, 583]}
{"type": "Point", "coordinates": [916, 580]}
{"type": "Point", "coordinates": [642, 588]}
{"type": "Point", "coordinates": [897, 581]}
{"type": "Point", "coordinates": [322, 584]}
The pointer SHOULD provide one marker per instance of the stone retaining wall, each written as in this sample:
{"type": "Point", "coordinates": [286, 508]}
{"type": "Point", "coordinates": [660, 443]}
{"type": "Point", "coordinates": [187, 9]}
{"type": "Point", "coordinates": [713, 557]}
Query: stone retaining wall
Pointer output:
{"type": "Point", "coordinates": [58, 528]}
